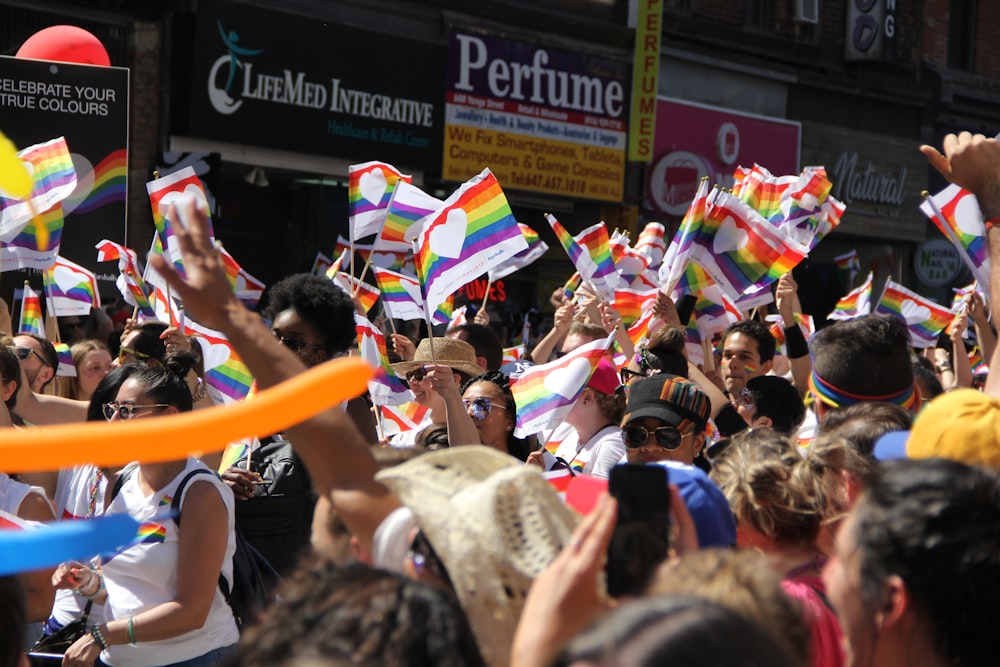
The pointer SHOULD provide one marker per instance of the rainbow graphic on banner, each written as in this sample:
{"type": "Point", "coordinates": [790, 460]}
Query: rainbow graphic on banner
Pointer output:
{"type": "Point", "coordinates": [536, 248]}
{"type": "Point", "coordinates": [544, 394]}
{"type": "Point", "coordinates": [70, 288]}
{"type": "Point", "coordinates": [855, 303]}
{"type": "Point", "coordinates": [66, 367]}
{"type": "Point", "coordinates": [651, 243]}
{"type": "Point", "coordinates": [407, 206]}
{"type": "Point", "coordinates": [369, 189]}
{"type": "Point", "coordinates": [630, 303]}
{"type": "Point", "coordinates": [472, 233]}
{"type": "Point", "coordinates": [738, 249]}
{"type": "Point", "coordinates": [956, 214]}
{"type": "Point", "coordinates": [110, 182]}
{"type": "Point", "coordinates": [37, 244]}
{"type": "Point", "coordinates": [31, 313]}
{"type": "Point", "coordinates": [228, 378]}
{"type": "Point", "coordinates": [924, 318]}
{"type": "Point", "coordinates": [386, 388]}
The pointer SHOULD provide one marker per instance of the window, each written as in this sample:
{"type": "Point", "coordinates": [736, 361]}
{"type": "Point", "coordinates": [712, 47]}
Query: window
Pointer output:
{"type": "Point", "coordinates": [758, 14]}
{"type": "Point", "coordinates": [962, 34]}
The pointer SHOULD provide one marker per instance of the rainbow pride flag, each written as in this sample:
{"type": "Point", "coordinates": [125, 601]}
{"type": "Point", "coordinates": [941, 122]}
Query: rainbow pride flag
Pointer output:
{"type": "Point", "coordinates": [53, 180]}
{"type": "Point", "coordinates": [170, 189]}
{"type": "Point", "coordinates": [924, 318]}
{"type": "Point", "coordinates": [404, 417]}
{"type": "Point", "coordinates": [590, 252]}
{"type": "Point", "coordinates": [962, 295]}
{"type": "Point", "coordinates": [31, 313]}
{"type": "Point", "coordinates": [130, 282]}
{"type": "Point", "coordinates": [70, 289]}
{"type": "Point", "coordinates": [386, 388]}
{"type": "Point", "coordinates": [848, 265]}
{"type": "Point", "coordinates": [66, 367]}
{"type": "Point", "coordinates": [515, 353]}
{"type": "Point", "coordinates": [651, 243]}
{"type": "Point", "coordinates": [400, 295]}
{"type": "Point", "coordinates": [544, 394]}
{"type": "Point", "coordinates": [739, 249]}
{"type": "Point", "coordinates": [458, 318]}
{"type": "Point", "coordinates": [714, 311]}
{"type": "Point", "coordinates": [404, 215]}
{"type": "Point", "coordinates": [369, 189]}
{"type": "Point", "coordinates": [110, 182]}
{"type": "Point", "coordinates": [678, 254]}
{"type": "Point", "coordinates": [36, 245]}
{"type": "Point", "coordinates": [629, 262]}
{"type": "Point", "coordinates": [536, 248]}
{"type": "Point", "coordinates": [472, 233]}
{"type": "Point", "coordinates": [227, 376]}
{"type": "Point", "coordinates": [367, 294]}
{"type": "Point", "coordinates": [572, 284]}
{"type": "Point", "coordinates": [642, 327]}
{"type": "Point", "coordinates": [956, 213]}
{"type": "Point", "coordinates": [976, 362]}
{"type": "Point", "coordinates": [855, 303]}
{"type": "Point", "coordinates": [631, 303]}
{"type": "Point", "coordinates": [248, 289]}
{"type": "Point", "coordinates": [321, 264]}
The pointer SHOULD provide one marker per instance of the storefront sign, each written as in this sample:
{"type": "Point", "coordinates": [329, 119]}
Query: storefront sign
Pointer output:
{"type": "Point", "coordinates": [695, 141]}
{"type": "Point", "coordinates": [937, 262]}
{"type": "Point", "coordinates": [297, 84]}
{"type": "Point", "coordinates": [645, 80]}
{"type": "Point", "coordinates": [860, 180]}
{"type": "Point", "coordinates": [542, 119]}
{"type": "Point", "coordinates": [871, 30]}
{"type": "Point", "coordinates": [89, 106]}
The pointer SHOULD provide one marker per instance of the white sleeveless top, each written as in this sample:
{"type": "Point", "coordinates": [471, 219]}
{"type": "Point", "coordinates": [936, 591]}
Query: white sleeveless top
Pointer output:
{"type": "Point", "coordinates": [72, 501]}
{"type": "Point", "coordinates": [145, 575]}
{"type": "Point", "coordinates": [13, 493]}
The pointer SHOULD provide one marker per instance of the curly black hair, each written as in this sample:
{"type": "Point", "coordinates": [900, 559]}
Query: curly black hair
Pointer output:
{"type": "Point", "coordinates": [319, 302]}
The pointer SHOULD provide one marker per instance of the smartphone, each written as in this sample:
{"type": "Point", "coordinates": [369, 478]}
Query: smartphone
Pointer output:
{"type": "Point", "coordinates": [641, 538]}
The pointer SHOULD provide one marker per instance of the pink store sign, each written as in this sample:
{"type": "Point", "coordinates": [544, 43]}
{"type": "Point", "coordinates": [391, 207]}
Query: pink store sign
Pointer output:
{"type": "Point", "coordinates": [696, 140]}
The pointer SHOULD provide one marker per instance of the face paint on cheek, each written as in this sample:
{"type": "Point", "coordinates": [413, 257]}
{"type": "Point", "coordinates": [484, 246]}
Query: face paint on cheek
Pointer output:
{"type": "Point", "coordinates": [748, 369]}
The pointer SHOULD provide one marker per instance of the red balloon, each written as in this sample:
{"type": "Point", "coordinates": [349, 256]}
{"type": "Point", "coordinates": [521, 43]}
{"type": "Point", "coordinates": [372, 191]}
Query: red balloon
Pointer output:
{"type": "Point", "coordinates": [65, 43]}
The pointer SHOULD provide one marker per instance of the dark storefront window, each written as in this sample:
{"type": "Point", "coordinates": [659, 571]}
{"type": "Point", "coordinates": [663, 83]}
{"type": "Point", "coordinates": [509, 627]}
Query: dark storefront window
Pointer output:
{"type": "Point", "coordinates": [962, 34]}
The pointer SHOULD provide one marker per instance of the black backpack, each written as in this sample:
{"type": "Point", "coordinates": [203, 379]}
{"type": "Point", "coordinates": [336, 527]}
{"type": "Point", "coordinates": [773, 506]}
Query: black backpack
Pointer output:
{"type": "Point", "coordinates": [254, 580]}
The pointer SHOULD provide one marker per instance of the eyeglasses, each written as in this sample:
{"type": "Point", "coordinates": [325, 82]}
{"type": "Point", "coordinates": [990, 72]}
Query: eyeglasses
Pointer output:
{"type": "Point", "coordinates": [25, 352]}
{"type": "Point", "coordinates": [481, 407]}
{"type": "Point", "coordinates": [667, 437]}
{"type": "Point", "coordinates": [125, 353]}
{"type": "Point", "coordinates": [294, 344]}
{"type": "Point", "coordinates": [416, 375]}
{"type": "Point", "coordinates": [125, 410]}
{"type": "Point", "coordinates": [626, 376]}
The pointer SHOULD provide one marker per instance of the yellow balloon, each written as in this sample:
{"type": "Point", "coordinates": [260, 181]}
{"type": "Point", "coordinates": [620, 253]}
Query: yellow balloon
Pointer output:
{"type": "Point", "coordinates": [14, 177]}
{"type": "Point", "coordinates": [175, 436]}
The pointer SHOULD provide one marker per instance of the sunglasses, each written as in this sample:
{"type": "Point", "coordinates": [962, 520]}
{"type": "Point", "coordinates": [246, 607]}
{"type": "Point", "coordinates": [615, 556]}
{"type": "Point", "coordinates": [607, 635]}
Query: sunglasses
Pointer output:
{"type": "Point", "coordinates": [294, 344]}
{"type": "Point", "coordinates": [416, 375]}
{"type": "Point", "coordinates": [125, 410]}
{"type": "Point", "coordinates": [480, 408]}
{"type": "Point", "coordinates": [126, 353]}
{"type": "Point", "coordinates": [626, 376]}
{"type": "Point", "coordinates": [25, 352]}
{"type": "Point", "coordinates": [667, 437]}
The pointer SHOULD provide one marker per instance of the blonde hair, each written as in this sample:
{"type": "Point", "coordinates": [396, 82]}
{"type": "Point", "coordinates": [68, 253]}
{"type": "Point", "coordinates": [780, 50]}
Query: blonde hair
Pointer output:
{"type": "Point", "coordinates": [69, 387]}
{"type": "Point", "coordinates": [772, 488]}
{"type": "Point", "coordinates": [744, 582]}
{"type": "Point", "coordinates": [832, 457]}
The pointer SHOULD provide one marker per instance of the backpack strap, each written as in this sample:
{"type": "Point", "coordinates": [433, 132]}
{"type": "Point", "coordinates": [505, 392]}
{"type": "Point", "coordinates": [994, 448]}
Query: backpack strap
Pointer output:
{"type": "Point", "coordinates": [123, 477]}
{"type": "Point", "coordinates": [175, 510]}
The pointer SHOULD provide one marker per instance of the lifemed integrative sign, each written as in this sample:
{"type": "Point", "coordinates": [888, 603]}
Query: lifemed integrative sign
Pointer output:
{"type": "Point", "coordinates": [293, 83]}
{"type": "Point", "coordinates": [541, 119]}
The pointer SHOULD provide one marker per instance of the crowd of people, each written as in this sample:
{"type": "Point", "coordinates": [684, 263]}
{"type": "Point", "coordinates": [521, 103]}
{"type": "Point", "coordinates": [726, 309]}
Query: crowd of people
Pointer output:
{"type": "Point", "coordinates": [835, 505]}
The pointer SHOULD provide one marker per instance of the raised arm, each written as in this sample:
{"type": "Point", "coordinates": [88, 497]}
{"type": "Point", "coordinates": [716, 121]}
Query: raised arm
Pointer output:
{"type": "Point", "coordinates": [337, 456]}
{"type": "Point", "coordinates": [786, 298]}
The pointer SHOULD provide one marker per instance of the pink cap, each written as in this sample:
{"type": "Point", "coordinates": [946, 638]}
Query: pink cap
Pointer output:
{"type": "Point", "coordinates": [605, 378]}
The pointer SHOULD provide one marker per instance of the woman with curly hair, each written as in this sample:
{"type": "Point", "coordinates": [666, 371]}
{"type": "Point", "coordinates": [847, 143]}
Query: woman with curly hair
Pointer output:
{"type": "Point", "coordinates": [489, 402]}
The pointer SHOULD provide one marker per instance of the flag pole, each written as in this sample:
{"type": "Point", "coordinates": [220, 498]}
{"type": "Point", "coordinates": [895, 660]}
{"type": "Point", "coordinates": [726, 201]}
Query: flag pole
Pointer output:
{"type": "Point", "coordinates": [427, 312]}
{"type": "Point", "coordinates": [489, 284]}
{"type": "Point", "coordinates": [364, 272]}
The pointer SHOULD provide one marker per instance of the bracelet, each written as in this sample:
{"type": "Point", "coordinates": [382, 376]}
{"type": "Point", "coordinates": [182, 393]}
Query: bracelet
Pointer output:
{"type": "Point", "coordinates": [95, 632]}
{"type": "Point", "coordinates": [131, 630]}
{"type": "Point", "coordinates": [100, 586]}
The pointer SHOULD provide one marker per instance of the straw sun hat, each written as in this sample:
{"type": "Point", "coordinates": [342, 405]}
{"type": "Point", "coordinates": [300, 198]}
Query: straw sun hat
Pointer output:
{"type": "Point", "coordinates": [456, 354]}
{"type": "Point", "coordinates": [494, 522]}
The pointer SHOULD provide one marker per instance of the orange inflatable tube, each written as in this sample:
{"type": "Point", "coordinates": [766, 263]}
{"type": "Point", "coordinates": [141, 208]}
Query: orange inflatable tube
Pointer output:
{"type": "Point", "coordinates": [173, 437]}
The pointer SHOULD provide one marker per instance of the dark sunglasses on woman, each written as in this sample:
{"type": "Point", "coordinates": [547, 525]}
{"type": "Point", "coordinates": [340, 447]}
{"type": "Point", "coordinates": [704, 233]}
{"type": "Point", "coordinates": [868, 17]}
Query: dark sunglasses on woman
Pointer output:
{"type": "Point", "coordinates": [667, 437]}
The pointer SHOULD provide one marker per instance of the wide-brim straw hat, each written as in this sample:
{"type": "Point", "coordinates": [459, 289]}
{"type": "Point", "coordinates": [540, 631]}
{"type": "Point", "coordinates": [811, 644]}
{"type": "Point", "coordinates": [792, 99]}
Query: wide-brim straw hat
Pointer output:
{"type": "Point", "coordinates": [494, 522]}
{"type": "Point", "coordinates": [456, 354]}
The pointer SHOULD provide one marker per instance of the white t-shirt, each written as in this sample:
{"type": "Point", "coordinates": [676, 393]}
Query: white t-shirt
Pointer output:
{"type": "Point", "coordinates": [13, 493]}
{"type": "Point", "coordinates": [72, 501]}
{"type": "Point", "coordinates": [595, 457]}
{"type": "Point", "coordinates": [145, 575]}
{"type": "Point", "coordinates": [408, 439]}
